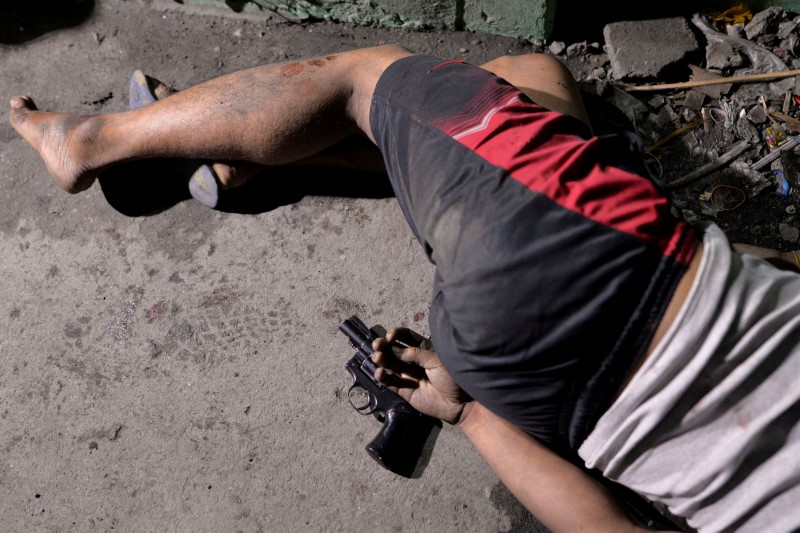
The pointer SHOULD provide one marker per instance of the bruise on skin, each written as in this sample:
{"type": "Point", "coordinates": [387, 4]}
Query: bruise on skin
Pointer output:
{"type": "Point", "coordinates": [307, 85]}
{"type": "Point", "coordinates": [292, 69]}
{"type": "Point", "coordinates": [331, 58]}
{"type": "Point", "coordinates": [316, 63]}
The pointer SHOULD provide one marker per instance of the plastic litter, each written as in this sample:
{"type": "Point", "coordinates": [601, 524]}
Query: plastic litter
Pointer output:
{"type": "Point", "coordinates": [739, 14]}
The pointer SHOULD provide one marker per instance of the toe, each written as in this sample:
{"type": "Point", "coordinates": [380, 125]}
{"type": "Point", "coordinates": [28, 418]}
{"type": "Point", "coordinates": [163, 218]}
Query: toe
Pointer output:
{"type": "Point", "coordinates": [162, 90]}
{"type": "Point", "coordinates": [20, 106]}
{"type": "Point", "coordinates": [21, 102]}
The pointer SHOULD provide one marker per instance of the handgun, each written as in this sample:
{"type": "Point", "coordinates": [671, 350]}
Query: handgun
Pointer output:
{"type": "Point", "coordinates": [400, 443]}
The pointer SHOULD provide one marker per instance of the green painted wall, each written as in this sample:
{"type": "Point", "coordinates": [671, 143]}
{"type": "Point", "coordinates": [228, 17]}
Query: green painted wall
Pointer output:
{"type": "Point", "coordinates": [529, 19]}
{"type": "Point", "coordinates": [393, 13]}
{"type": "Point", "coordinates": [532, 19]}
{"type": "Point", "coordinates": [758, 5]}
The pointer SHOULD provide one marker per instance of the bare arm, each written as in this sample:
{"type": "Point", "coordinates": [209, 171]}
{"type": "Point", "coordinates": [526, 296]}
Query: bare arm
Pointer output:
{"type": "Point", "coordinates": [560, 495]}
{"type": "Point", "coordinates": [783, 260]}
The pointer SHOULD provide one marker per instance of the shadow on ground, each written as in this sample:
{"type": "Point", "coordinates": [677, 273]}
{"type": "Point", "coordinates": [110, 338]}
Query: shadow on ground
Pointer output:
{"type": "Point", "coordinates": [584, 20]}
{"type": "Point", "coordinates": [22, 21]}
{"type": "Point", "coordinates": [147, 187]}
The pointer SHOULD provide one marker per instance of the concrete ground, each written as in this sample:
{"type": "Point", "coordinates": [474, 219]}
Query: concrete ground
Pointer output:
{"type": "Point", "coordinates": [179, 368]}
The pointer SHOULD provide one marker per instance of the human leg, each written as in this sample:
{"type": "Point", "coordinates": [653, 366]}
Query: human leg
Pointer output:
{"type": "Point", "coordinates": [544, 79]}
{"type": "Point", "coordinates": [267, 115]}
{"type": "Point", "coordinates": [210, 179]}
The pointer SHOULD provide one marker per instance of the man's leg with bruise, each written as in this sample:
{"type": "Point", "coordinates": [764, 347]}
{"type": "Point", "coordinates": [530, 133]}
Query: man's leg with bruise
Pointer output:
{"type": "Point", "coordinates": [267, 115]}
{"type": "Point", "coordinates": [542, 78]}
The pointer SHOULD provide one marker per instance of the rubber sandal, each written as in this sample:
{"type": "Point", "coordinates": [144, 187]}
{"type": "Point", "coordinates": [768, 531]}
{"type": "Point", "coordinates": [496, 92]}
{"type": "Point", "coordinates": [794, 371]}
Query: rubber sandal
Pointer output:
{"type": "Point", "coordinates": [141, 92]}
{"type": "Point", "coordinates": [204, 185]}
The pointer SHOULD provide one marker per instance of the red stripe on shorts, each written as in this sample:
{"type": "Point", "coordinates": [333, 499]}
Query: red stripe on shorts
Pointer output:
{"type": "Point", "coordinates": [526, 141]}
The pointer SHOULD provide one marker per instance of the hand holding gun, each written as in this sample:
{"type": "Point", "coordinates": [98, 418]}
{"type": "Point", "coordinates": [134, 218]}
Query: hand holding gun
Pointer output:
{"type": "Point", "coordinates": [399, 444]}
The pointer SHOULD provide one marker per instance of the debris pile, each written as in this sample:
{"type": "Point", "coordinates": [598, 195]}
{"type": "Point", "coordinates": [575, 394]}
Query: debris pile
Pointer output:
{"type": "Point", "coordinates": [716, 98]}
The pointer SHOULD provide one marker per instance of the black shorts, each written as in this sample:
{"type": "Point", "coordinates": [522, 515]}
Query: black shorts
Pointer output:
{"type": "Point", "coordinates": [555, 251]}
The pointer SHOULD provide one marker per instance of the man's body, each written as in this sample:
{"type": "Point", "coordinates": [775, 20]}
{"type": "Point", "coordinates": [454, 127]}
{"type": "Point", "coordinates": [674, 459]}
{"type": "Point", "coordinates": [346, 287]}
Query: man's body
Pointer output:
{"type": "Point", "coordinates": [287, 113]}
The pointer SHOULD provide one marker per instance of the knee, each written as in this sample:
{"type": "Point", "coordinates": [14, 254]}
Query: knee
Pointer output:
{"type": "Point", "coordinates": [366, 67]}
{"type": "Point", "coordinates": [388, 52]}
{"type": "Point", "coordinates": [393, 49]}
{"type": "Point", "coordinates": [377, 58]}
{"type": "Point", "coordinates": [529, 63]}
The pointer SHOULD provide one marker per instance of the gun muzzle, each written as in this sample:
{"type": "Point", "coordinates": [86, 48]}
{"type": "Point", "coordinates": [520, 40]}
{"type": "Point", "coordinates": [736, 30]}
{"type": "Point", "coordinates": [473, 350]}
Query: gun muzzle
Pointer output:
{"type": "Point", "coordinates": [360, 335]}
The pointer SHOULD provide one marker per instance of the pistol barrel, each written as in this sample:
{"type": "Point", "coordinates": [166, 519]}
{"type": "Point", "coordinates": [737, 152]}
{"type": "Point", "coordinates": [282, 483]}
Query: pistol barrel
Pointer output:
{"type": "Point", "coordinates": [360, 335]}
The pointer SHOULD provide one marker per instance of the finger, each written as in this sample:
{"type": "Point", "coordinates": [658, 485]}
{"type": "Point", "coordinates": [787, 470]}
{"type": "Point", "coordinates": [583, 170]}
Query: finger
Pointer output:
{"type": "Point", "coordinates": [397, 383]}
{"type": "Point", "coordinates": [408, 337]}
{"type": "Point", "coordinates": [386, 379]}
{"type": "Point", "coordinates": [380, 344]}
{"type": "Point", "coordinates": [400, 357]}
{"type": "Point", "coordinates": [388, 360]}
{"type": "Point", "coordinates": [382, 354]}
{"type": "Point", "coordinates": [414, 355]}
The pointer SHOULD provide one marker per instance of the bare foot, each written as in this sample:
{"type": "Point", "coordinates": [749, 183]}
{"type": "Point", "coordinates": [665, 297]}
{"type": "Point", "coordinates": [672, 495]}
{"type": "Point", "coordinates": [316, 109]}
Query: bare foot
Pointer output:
{"type": "Point", "coordinates": [63, 140]}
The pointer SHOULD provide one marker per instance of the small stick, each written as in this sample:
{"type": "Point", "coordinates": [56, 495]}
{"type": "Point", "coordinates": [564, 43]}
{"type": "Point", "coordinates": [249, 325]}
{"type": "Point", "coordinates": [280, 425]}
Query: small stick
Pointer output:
{"type": "Point", "coordinates": [676, 133]}
{"type": "Point", "coordinates": [726, 158]}
{"type": "Point", "coordinates": [776, 153]}
{"type": "Point", "coordinates": [717, 81]}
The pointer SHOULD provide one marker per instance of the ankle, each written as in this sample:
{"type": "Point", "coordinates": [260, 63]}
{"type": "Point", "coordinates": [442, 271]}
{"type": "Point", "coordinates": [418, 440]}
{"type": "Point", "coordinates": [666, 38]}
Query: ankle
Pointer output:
{"type": "Point", "coordinates": [81, 154]}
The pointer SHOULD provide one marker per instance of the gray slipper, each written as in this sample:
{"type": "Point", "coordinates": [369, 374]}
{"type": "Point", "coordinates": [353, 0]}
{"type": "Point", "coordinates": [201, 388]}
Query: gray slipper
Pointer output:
{"type": "Point", "coordinates": [204, 185]}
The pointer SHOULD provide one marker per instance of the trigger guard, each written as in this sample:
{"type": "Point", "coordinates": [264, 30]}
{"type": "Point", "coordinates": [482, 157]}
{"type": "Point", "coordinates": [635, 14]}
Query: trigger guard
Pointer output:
{"type": "Point", "coordinates": [366, 408]}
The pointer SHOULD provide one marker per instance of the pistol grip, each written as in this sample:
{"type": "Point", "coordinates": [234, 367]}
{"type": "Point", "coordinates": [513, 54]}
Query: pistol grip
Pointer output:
{"type": "Point", "coordinates": [398, 445]}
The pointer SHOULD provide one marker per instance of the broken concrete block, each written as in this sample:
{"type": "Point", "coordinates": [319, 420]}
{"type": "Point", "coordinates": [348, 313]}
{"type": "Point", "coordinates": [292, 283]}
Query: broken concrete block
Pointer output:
{"type": "Point", "coordinates": [747, 131]}
{"type": "Point", "coordinates": [557, 47]}
{"type": "Point", "coordinates": [694, 100]}
{"type": "Point", "coordinates": [670, 45]}
{"type": "Point", "coordinates": [789, 232]}
{"type": "Point", "coordinates": [766, 21]}
{"type": "Point", "coordinates": [722, 56]}
{"type": "Point", "coordinates": [757, 114]}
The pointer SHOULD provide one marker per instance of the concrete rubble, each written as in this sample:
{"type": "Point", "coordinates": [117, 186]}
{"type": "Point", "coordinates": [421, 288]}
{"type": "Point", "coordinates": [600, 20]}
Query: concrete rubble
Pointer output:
{"type": "Point", "coordinates": [673, 42]}
{"type": "Point", "coordinates": [708, 142]}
